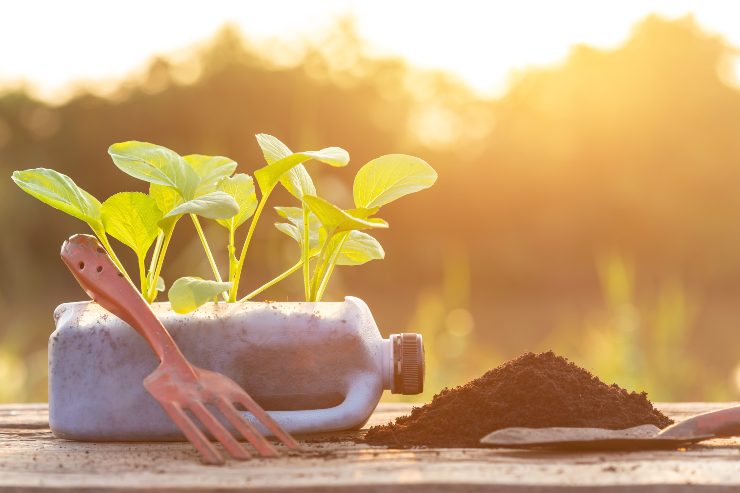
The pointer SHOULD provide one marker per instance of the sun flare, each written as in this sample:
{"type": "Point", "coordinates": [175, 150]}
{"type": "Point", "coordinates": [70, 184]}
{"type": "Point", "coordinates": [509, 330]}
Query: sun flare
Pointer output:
{"type": "Point", "coordinates": [483, 43]}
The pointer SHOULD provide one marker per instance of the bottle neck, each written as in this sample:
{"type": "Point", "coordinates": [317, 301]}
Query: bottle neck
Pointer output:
{"type": "Point", "coordinates": [402, 364]}
{"type": "Point", "coordinates": [387, 364]}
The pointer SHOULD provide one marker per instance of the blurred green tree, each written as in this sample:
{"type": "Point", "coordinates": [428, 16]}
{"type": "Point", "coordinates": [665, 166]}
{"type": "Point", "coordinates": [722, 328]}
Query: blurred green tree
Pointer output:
{"type": "Point", "coordinates": [632, 150]}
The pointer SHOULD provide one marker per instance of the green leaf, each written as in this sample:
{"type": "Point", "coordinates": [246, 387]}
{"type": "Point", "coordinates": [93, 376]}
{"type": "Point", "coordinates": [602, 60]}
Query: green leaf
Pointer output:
{"type": "Point", "coordinates": [278, 164]}
{"type": "Point", "coordinates": [296, 181]}
{"type": "Point", "coordinates": [160, 284]}
{"type": "Point", "coordinates": [295, 231]}
{"type": "Point", "coordinates": [241, 188]}
{"type": "Point", "coordinates": [390, 177]}
{"type": "Point", "coordinates": [362, 212]}
{"type": "Point", "coordinates": [210, 170]}
{"type": "Point", "coordinates": [359, 248]}
{"type": "Point", "coordinates": [290, 230]}
{"type": "Point", "coordinates": [188, 293]}
{"type": "Point", "coordinates": [132, 218]}
{"type": "Point", "coordinates": [335, 219]}
{"type": "Point", "coordinates": [272, 148]}
{"type": "Point", "coordinates": [213, 205]}
{"type": "Point", "coordinates": [155, 164]}
{"type": "Point", "coordinates": [60, 192]}
{"type": "Point", "coordinates": [167, 198]}
{"type": "Point", "coordinates": [295, 227]}
{"type": "Point", "coordinates": [293, 214]}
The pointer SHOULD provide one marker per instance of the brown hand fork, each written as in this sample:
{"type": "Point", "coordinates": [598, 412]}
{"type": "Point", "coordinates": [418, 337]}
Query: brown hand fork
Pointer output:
{"type": "Point", "coordinates": [176, 384]}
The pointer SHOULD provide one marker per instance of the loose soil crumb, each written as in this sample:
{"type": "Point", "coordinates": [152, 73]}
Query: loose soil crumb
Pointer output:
{"type": "Point", "coordinates": [533, 390]}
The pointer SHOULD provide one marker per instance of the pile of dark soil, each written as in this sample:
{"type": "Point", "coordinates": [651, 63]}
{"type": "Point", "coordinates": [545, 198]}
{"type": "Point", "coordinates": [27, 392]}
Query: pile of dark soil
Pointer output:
{"type": "Point", "coordinates": [533, 390]}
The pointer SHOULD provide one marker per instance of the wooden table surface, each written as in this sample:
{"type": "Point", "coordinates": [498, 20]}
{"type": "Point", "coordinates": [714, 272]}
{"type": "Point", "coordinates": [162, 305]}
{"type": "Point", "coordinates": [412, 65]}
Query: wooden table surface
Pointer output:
{"type": "Point", "coordinates": [32, 459]}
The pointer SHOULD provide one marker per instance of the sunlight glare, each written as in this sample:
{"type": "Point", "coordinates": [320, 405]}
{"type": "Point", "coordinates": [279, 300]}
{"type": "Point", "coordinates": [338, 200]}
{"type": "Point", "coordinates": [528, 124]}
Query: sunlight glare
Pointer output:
{"type": "Point", "coordinates": [483, 43]}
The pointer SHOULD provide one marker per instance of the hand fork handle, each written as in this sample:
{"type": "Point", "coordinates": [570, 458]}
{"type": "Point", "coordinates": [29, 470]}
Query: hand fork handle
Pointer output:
{"type": "Point", "coordinates": [103, 282]}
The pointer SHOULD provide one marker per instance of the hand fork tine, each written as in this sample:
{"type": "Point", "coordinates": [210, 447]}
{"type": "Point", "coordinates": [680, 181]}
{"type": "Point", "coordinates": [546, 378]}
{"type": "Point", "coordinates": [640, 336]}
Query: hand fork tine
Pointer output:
{"type": "Point", "coordinates": [246, 429]}
{"type": "Point", "coordinates": [176, 384]}
{"type": "Point", "coordinates": [250, 405]}
{"type": "Point", "coordinates": [218, 431]}
{"type": "Point", "coordinates": [206, 449]}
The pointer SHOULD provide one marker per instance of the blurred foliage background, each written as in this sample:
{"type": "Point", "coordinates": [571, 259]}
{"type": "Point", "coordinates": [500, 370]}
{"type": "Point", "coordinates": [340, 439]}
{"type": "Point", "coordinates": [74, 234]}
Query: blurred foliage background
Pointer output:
{"type": "Point", "coordinates": [592, 209]}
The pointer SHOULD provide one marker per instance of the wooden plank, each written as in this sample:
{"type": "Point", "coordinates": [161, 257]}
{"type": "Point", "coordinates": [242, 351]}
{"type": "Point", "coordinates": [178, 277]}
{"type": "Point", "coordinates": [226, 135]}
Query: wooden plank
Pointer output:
{"type": "Point", "coordinates": [31, 459]}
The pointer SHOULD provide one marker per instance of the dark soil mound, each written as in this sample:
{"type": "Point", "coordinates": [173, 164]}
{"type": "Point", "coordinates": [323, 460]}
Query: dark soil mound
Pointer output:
{"type": "Point", "coordinates": [534, 390]}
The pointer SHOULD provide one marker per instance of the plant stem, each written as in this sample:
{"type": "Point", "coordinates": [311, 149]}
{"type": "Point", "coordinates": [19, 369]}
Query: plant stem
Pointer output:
{"type": "Point", "coordinates": [155, 254]}
{"type": "Point", "coordinates": [207, 249]}
{"type": "Point", "coordinates": [240, 264]}
{"type": "Point", "coordinates": [160, 260]}
{"type": "Point", "coordinates": [232, 254]}
{"type": "Point", "coordinates": [273, 282]}
{"type": "Point", "coordinates": [142, 276]}
{"type": "Point", "coordinates": [320, 265]}
{"type": "Point", "coordinates": [305, 251]}
{"type": "Point", "coordinates": [104, 240]}
{"type": "Point", "coordinates": [328, 271]}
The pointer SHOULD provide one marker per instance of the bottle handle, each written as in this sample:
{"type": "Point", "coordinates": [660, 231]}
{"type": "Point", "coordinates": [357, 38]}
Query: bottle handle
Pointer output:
{"type": "Point", "coordinates": [357, 406]}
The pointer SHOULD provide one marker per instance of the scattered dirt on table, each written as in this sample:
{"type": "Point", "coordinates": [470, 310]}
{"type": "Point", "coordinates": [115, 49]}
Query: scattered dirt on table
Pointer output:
{"type": "Point", "coordinates": [533, 390]}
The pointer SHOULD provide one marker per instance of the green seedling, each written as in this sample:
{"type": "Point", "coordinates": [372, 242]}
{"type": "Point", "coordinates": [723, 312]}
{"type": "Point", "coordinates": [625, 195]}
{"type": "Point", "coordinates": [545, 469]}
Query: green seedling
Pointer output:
{"type": "Point", "coordinates": [376, 184]}
{"type": "Point", "coordinates": [133, 219]}
{"type": "Point", "coordinates": [178, 185]}
{"type": "Point", "coordinates": [333, 236]}
{"type": "Point", "coordinates": [61, 192]}
{"type": "Point", "coordinates": [206, 187]}
{"type": "Point", "coordinates": [357, 249]}
{"type": "Point", "coordinates": [283, 166]}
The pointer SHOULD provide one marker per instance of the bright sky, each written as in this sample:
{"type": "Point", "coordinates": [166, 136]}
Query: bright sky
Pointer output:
{"type": "Point", "coordinates": [51, 44]}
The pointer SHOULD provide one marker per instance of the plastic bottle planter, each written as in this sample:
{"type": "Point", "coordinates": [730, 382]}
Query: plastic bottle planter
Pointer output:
{"type": "Point", "coordinates": [314, 366]}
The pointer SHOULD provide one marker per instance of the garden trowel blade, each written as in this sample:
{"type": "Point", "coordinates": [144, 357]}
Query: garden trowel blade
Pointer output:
{"type": "Point", "coordinates": [639, 437]}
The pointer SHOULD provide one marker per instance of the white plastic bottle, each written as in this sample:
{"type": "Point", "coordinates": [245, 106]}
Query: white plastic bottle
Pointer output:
{"type": "Point", "coordinates": [314, 366]}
